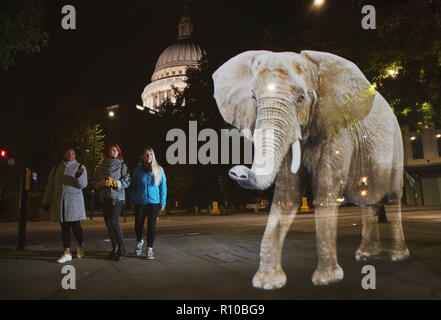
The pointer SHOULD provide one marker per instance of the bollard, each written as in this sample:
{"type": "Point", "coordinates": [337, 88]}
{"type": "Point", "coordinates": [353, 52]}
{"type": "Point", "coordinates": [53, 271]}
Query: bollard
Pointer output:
{"type": "Point", "coordinates": [215, 209]}
{"type": "Point", "coordinates": [304, 207]}
{"type": "Point", "coordinates": [25, 185]}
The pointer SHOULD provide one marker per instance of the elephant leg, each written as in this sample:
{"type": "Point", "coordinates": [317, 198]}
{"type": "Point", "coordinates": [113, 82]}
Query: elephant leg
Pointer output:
{"type": "Point", "coordinates": [286, 201]}
{"type": "Point", "coordinates": [270, 274]}
{"type": "Point", "coordinates": [328, 181]}
{"type": "Point", "coordinates": [398, 250]}
{"type": "Point", "coordinates": [370, 236]}
{"type": "Point", "coordinates": [327, 271]}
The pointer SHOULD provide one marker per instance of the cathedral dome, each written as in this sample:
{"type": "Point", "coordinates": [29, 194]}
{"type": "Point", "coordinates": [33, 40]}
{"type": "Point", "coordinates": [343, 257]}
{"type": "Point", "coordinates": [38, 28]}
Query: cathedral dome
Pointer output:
{"type": "Point", "coordinates": [182, 53]}
{"type": "Point", "coordinates": [172, 65]}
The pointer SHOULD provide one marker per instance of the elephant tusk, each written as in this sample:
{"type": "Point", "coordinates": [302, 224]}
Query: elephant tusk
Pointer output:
{"type": "Point", "coordinates": [296, 157]}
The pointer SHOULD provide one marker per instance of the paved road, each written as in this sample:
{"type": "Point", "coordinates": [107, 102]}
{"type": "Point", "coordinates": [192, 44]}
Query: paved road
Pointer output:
{"type": "Point", "coordinates": [215, 257]}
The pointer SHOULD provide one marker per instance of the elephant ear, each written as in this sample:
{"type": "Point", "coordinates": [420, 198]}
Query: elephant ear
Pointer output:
{"type": "Point", "coordinates": [345, 96]}
{"type": "Point", "coordinates": [233, 92]}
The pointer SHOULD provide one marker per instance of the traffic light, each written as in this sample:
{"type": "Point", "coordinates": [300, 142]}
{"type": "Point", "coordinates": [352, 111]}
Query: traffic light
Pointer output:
{"type": "Point", "coordinates": [3, 153]}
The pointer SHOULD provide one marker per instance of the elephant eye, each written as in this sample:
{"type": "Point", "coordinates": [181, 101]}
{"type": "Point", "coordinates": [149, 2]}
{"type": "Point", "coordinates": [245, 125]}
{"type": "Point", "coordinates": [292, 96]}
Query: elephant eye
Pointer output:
{"type": "Point", "coordinates": [300, 98]}
{"type": "Point", "coordinates": [253, 94]}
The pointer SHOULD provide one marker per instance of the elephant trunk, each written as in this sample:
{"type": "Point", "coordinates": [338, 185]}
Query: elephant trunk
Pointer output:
{"type": "Point", "coordinates": [277, 129]}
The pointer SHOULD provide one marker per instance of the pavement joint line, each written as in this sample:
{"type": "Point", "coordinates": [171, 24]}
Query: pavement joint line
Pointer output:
{"type": "Point", "coordinates": [418, 259]}
{"type": "Point", "coordinates": [180, 235]}
{"type": "Point", "coordinates": [114, 265]}
{"type": "Point", "coordinates": [183, 275]}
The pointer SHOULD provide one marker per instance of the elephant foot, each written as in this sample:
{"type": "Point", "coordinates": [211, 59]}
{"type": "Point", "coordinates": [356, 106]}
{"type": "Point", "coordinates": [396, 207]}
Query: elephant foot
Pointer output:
{"type": "Point", "coordinates": [364, 253]}
{"type": "Point", "coordinates": [327, 275]}
{"type": "Point", "coordinates": [399, 255]}
{"type": "Point", "coordinates": [269, 278]}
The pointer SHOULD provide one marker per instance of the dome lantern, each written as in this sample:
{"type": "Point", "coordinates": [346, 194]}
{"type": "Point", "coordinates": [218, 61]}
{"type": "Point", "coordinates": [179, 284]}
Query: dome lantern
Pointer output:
{"type": "Point", "coordinates": [185, 27]}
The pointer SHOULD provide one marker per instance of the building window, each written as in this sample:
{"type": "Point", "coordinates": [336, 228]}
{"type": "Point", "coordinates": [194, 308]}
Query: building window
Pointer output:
{"type": "Point", "coordinates": [180, 71]}
{"type": "Point", "coordinates": [174, 72]}
{"type": "Point", "coordinates": [417, 147]}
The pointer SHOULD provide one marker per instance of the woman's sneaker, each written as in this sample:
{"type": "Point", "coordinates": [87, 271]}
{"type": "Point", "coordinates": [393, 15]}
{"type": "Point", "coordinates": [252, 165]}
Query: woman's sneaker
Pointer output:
{"type": "Point", "coordinates": [65, 258]}
{"type": "Point", "coordinates": [138, 248]}
{"type": "Point", "coordinates": [150, 254]}
{"type": "Point", "coordinates": [80, 252]}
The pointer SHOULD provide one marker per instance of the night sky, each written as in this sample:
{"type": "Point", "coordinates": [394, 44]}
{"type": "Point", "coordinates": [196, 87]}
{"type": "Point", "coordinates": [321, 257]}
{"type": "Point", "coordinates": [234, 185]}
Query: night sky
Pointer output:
{"type": "Point", "coordinates": [111, 55]}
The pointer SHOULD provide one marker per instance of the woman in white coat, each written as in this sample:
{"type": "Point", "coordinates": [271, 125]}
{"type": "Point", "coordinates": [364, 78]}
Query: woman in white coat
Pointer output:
{"type": "Point", "coordinates": [64, 198]}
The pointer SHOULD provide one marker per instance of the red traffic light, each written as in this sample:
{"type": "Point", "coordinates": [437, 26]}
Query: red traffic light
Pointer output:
{"type": "Point", "coordinates": [3, 153]}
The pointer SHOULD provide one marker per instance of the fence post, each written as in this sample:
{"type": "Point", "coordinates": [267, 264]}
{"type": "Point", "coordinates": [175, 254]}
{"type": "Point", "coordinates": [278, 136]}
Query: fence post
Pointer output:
{"type": "Point", "coordinates": [25, 185]}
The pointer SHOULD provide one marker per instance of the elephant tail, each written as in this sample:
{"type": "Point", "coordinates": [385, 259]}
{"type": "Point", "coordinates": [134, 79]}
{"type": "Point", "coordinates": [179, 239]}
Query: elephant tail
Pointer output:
{"type": "Point", "coordinates": [409, 179]}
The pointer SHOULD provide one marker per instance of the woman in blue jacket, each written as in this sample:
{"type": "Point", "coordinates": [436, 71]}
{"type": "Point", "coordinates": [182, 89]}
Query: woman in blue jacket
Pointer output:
{"type": "Point", "coordinates": [149, 194]}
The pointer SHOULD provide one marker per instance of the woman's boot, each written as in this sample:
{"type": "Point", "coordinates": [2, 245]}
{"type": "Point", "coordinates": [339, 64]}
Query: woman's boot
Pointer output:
{"type": "Point", "coordinates": [121, 253]}
{"type": "Point", "coordinates": [113, 253]}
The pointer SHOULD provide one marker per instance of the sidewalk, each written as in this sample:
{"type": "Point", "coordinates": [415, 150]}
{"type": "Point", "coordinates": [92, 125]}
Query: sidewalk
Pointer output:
{"type": "Point", "coordinates": [189, 212]}
{"type": "Point", "coordinates": [215, 257]}
{"type": "Point", "coordinates": [129, 219]}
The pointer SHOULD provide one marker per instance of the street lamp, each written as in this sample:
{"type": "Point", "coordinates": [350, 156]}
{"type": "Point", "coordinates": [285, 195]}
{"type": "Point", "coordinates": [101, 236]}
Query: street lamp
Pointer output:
{"type": "Point", "coordinates": [318, 3]}
{"type": "Point", "coordinates": [111, 108]}
{"type": "Point", "coordinates": [393, 73]}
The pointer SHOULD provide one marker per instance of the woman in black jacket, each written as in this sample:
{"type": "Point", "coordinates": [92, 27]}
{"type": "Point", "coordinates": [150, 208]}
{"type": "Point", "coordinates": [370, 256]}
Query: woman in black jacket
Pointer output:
{"type": "Point", "coordinates": [112, 179]}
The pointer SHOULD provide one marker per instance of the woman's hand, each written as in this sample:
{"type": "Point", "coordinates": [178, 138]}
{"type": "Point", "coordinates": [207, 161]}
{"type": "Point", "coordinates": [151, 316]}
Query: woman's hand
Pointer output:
{"type": "Point", "coordinates": [79, 172]}
{"type": "Point", "coordinates": [162, 208]}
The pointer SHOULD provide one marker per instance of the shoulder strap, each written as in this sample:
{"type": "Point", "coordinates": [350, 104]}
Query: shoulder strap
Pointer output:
{"type": "Point", "coordinates": [55, 169]}
{"type": "Point", "coordinates": [122, 167]}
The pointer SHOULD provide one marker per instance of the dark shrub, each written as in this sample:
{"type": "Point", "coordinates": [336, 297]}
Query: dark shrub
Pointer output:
{"type": "Point", "coordinates": [34, 210]}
